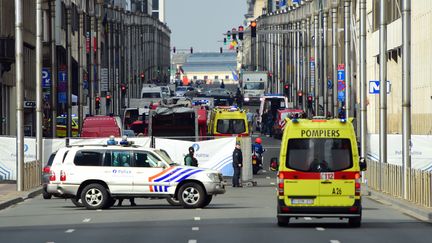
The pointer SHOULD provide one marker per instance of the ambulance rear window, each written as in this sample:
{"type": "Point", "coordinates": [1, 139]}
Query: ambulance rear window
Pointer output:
{"type": "Point", "coordinates": [319, 154]}
{"type": "Point", "coordinates": [231, 126]}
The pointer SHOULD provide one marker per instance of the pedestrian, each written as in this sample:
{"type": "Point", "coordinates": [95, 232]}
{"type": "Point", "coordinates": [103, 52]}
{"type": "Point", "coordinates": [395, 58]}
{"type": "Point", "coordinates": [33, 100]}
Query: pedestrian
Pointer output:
{"type": "Point", "coordinates": [239, 98]}
{"type": "Point", "coordinates": [237, 165]}
{"type": "Point", "coordinates": [270, 123]}
{"type": "Point", "coordinates": [222, 86]}
{"type": "Point", "coordinates": [189, 159]}
{"type": "Point", "coordinates": [263, 124]}
{"type": "Point", "coordinates": [250, 119]}
{"type": "Point", "coordinates": [256, 122]}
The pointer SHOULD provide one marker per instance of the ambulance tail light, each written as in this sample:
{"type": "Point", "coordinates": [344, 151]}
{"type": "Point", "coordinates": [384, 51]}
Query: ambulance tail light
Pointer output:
{"type": "Point", "coordinates": [52, 176]}
{"type": "Point", "coordinates": [62, 176]}
{"type": "Point", "coordinates": [357, 184]}
{"type": "Point", "coordinates": [281, 184]}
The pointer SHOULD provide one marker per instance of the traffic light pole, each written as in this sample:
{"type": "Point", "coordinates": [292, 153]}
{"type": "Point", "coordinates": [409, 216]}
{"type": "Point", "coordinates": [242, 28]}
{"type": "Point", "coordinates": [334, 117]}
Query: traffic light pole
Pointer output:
{"type": "Point", "coordinates": [347, 16]}
{"type": "Point", "coordinates": [69, 72]}
{"type": "Point", "coordinates": [39, 101]}
{"type": "Point", "coordinates": [324, 66]}
{"type": "Point", "coordinates": [383, 87]}
{"type": "Point", "coordinates": [317, 64]}
{"type": "Point", "coordinates": [53, 71]}
{"type": "Point", "coordinates": [335, 59]}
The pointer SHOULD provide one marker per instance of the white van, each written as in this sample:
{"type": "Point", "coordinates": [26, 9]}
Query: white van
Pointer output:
{"type": "Point", "coordinates": [272, 103]}
{"type": "Point", "coordinates": [152, 91]}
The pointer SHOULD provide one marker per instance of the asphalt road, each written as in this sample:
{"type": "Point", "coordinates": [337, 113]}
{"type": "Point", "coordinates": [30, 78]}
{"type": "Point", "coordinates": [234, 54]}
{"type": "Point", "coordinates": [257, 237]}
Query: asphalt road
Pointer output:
{"type": "Point", "coordinates": [245, 214]}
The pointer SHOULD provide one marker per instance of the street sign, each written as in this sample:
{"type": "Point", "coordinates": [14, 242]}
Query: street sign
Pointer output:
{"type": "Point", "coordinates": [46, 78]}
{"type": "Point", "coordinates": [329, 84]}
{"type": "Point", "coordinates": [62, 86]}
{"type": "Point", "coordinates": [374, 87]}
{"type": "Point", "coordinates": [341, 85]}
{"type": "Point", "coordinates": [341, 74]}
{"type": "Point", "coordinates": [104, 79]}
{"type": "Point", "coordinates": [341, 96]}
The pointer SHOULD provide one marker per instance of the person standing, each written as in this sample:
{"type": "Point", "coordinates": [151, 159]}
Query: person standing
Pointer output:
{"type": "Point", "coordinates": [237, 164]}
{"type": "Point", "coordinates": [222, 85]}
{"type": "Point", "coordinates": [189, 159]}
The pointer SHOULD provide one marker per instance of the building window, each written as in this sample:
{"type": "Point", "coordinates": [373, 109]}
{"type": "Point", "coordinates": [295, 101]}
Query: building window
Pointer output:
{"type": "Point", "coordinates": [393, 12]}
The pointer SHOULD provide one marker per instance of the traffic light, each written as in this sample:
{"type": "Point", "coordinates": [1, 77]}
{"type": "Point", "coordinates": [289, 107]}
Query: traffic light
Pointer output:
{"type": "Point", "coordinates": [221, 50]}
{"type": "Point", "coordinates": [191, 50]}
{"type": "Point", "coordinates": [142, 76]}
{"type": "Point", "coordinates": [229, 35]}
{"type": "Point", "coordinates": [234, 35]}
{"type": "Point", "coordinates": [97, 103]}
{"type": "Point", "coordinates": [174, 49]}
{"type": "Point", "coordinates": [300, 96]}
{"type": "Point", "coordinates": [240, 32]}
{"type": "Point", "coordinates": [309, 101]}
{"type": "Point", "coordinates": [108, 100]}
{"type": "Point", "coordinates": [253, 26]}
{"type": "Point", "coordinates": [286, 89]}
{"type": "Point", "coordinates": [123, 89]}
{"type": "Point", "coordinates": [225, 41]}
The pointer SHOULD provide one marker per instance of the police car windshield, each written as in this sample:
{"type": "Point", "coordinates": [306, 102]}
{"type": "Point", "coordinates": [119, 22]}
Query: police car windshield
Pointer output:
{"type": "Point", "coordinates": [231, 126]}
{"type": "Point", "coordinates": [319, 155]}
{"type": "Point", "coordinates": [164, 155]}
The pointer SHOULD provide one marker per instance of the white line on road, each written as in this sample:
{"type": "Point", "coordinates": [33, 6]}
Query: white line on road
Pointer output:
{"type": "Point", "coordinates": [264, 171]}
{"type": "Point", "coordinates": [334, 241]}
{"type": "Point", "coordinates": [50, 242]}
{"type": "Point", "coordinates": [192, 241]}
{"type": "Point", "coordinates": [272, 183]}
{"type": "Point", "coordinates": [319, 229]}
{"type": "Point", "coordinates": [198, 208]}
{"type": "Point", "coordinates": [99, 210]}
{"type": "Point", "coordinates": [86, 220]}
{"type": "Point", "coordinates": [197, 218]}
{"type": "Point", "coordinates": [69, 231]}
{"type": "Point", "coordinates": [195, 228]}
{"type": "Point", "coordinates": [268, 177]}
{"type": "Point", "coordinates": [307, 218]}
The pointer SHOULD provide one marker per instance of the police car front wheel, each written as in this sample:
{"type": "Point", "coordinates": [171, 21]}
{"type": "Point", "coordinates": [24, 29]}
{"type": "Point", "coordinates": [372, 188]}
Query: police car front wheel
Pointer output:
{"type": "Point", "coordinates": [94, 196]}
{"type": "Point", "coordinates": [192, 195]}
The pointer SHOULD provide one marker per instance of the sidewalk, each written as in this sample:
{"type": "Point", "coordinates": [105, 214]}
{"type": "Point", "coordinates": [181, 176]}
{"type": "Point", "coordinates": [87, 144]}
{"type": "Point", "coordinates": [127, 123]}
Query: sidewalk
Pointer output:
{"type": "Point", "coordinates": [9, 196]}
{"type": "Point", "coordinates": [414, 210]}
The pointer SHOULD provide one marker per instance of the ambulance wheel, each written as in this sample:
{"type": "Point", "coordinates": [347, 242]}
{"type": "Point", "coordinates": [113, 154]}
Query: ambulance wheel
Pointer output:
{"type": "Point", "coordinates": [95, 196]}
{"type": "Point", "coordinates": [173, 202]}
{"type": "Point", "coordinates": [192, 195]}
{"type": "Point", "coordinates": [207, 201]}
{"type": "Point", "coordinates": [283, 221]}
{"type": "Point", "coordinates": [354, 222]}
{"type": "Point", "coordinates": [77, 202]}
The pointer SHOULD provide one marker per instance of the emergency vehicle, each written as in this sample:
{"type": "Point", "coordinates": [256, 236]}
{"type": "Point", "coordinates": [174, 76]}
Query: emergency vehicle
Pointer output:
{"type": "Point", "coordinates": [271, 103]}
{"type": "Point", "coordinates": [61, 130]}
{"type": "Point", "coordinates": [99, 174]}
{"type": "Point", "coordinates": [228, 121]}
{"type": "Point", "coordinates": [319, 171]}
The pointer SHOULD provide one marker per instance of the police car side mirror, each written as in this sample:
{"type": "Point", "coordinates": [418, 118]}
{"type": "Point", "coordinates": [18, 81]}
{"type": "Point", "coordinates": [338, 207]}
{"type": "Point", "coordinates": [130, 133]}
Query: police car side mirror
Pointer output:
{"type": "Point", "coordinates": [363, 164]}
{"type": "Point", "coordinates": [274, 164]}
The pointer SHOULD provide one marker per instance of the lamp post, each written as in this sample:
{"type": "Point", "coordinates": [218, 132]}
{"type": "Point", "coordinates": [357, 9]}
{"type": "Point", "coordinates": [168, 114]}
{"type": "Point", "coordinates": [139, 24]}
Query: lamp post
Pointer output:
{"type": "Point", "coordinates": [69, 68]}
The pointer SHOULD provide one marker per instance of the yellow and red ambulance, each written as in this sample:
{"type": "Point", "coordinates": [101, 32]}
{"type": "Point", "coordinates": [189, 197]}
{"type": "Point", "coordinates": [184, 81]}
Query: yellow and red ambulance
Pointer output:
{"type": "Point", "coordinates": [319, 171]}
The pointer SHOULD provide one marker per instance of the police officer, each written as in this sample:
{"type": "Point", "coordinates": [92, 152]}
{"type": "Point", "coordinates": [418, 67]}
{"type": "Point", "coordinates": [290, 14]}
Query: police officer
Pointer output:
{"type": "Point", "coordinates": [237, 165]}
{"type": "Point", "coordinates": [189, 159]}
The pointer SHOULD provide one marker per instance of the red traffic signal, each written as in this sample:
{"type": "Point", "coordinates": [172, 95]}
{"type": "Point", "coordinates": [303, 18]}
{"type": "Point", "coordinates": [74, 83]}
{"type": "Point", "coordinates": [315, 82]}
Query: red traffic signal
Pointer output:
{"type": "Point", "coordinates": [310, 98]}
{"type": "Point", "coordinates": [142, 75]}
{"type": "Point", "coordinates": [123, 88]}
{"type": "Point", "coordinates": [97, 99]}
{"type": "Point", "coordinates": [286, 86]}
{"type": "Point", "coordinates": [253, 26]}
{"type": "Point", "coordinates": [240, 32]}
{"type": "Point", "coordinates": [97, 103]}
{"type": "Point", "coordinates": [108, 100]}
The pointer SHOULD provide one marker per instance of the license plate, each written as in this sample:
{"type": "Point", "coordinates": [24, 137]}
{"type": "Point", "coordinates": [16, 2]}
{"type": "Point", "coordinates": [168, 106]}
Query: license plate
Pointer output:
{"type": "Point", "coordinates": [302, 201]}
{"type": "Point", "coordinates": [254, 161]}
{"type": "Point", "coordinates": [327, 176]}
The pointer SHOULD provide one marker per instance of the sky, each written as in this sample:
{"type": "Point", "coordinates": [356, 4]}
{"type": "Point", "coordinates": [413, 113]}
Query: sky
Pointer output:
{"type": "Point", "coordinates": [201, 23]}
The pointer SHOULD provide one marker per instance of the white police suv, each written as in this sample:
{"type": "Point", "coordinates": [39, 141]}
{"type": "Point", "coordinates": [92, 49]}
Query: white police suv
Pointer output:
{"type": "Point", "coordinates": [100, 174]}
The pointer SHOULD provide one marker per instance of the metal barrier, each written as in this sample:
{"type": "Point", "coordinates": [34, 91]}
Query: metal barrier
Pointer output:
{"type": "Point", "coordinates": [392, 182]}
{"type": "Point", "coordinates": [32, 175]}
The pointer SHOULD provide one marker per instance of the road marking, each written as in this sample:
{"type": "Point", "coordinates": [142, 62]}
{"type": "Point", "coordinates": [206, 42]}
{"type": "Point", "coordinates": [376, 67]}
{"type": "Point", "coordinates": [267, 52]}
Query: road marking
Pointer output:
{"type": "Point", "coordinates": [86, 220]}
{"type": "Point", "coordinates": [268, 177]}
{"type": "Point", "coordinates": [264, 171]}
{"type": "Point", "coordinates": [50, 242]}
{"type": "Point", "coordinates": [69, 231]}
{"type": "Point", "coordinates": [198, 208]}
{"type": "Point", "coordinates": [195, 228]}
{"type": "Point", "coordinates": [192, 241]}
{"type": "Point", "coordinates": [319, 228]}
{"type": "Point", "coordinates": [197, 218]}
{"type": "Point", "coordinates": [307, 218]}
{"type": "Point", "coordinates": [334, 241]}
{"type": "Point", "coordinates": [99, 210]}
{"type": "Point", "coordinates": [272, 183]}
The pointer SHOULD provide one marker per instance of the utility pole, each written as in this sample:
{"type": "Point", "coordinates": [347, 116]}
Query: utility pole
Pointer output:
{"type": "Point", "coordinates": [69, 69]}
{"type": "Point", "coordinates": [298, 62]}
{"type": "Point", "coordinates": [347, 8]}
{"type": "Point", "coordinates": [53, 70]}
{"type": "Point", "coordinates": [81, 70]}
{"type": "Point", "coordinates": [110, 62]}
{"type": "Point", "coordinates": [90, 64]}
{"type": "Point", "coordinates": [324, 66]}
{"type": "Point", "coordinates": [19, 79]}
{"type": "Point", "coordinates": [363, 81]}
{"type": "Point", "coordinates": [39, 102]}
{"type": "Point", "coordinates": [406, 95]}
{"type": "Point", "coordinates": [335, 59]}
{"type": "Point", "coordinates": [129, 57]}
{"type": "Point", "coordinates": [383, 87]}
{"type": "Point", "coordinates": [305, 65]}
{"type": "Point", "coordinates": [317, 63]}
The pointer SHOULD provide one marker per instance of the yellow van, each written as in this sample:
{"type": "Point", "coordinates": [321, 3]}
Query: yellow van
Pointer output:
{"type": "Point", "coordinates": [228, 121]}
{"type": "Point", "coordinates": [61, 126]}
{"type": "Point", "coordinates": [319, 171]}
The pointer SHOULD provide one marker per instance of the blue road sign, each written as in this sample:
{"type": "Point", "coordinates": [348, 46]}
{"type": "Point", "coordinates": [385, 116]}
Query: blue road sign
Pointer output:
{"type": "Point", "coordinates": [341, 85]}
{"type": "Point", "coordinates": [341, 75]}
{"type": "Point", "coordinates": [341, 96]}
{"type": "Point", "coordinates": [374, 87]}
{"type": "Point", "coordinates": [62, 87]}
{"type": "Point", "coordinates": [329, 84]}
{"type": "Point", "coordinates": [46, 78]}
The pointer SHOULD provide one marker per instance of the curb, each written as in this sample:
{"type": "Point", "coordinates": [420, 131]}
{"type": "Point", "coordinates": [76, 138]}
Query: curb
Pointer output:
{"type": "Point", "coordinates": [416, 211]}
{"type": "Point", "coordinates": [19, 199]}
